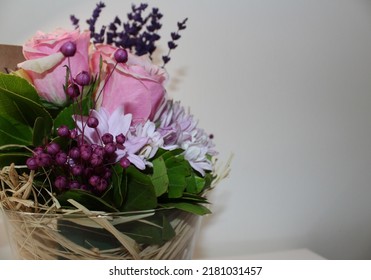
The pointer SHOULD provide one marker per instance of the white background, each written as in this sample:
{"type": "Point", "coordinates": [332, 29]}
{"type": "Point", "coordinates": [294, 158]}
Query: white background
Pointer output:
{"type": "Point", "coordinates": [285, 86]}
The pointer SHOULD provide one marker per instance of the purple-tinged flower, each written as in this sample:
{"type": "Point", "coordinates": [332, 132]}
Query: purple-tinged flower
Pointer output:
{"type": "Point", "coordinates": [116, 124]}
{"type": "Point", "coordinates": [179, 130]}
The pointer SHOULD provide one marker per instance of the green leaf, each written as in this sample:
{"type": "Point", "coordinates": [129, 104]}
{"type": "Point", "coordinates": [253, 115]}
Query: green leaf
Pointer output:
{"type": "Point", "coordinates": [19, 101]}
{"type": "Point", "coordinates": [140, 191]}
{"type": "Point", "coordinates": [14, 132]}
{"type": "Point", "coordinates": [85, 198]}
{"type": "Point", "coordinates": [65, 116]}
{"type": "Point", "coordinates": [197, 209]}
{"type": "Point", "coordinates": [178, 170]}
{"type": "Point", "coordinates": [39, 132]}
{"type": "Point", "coordinates": [152, 230]}
{"type": "Point", "coordinates": [119, 185]}
{"type": "Point", "coordinates": [159, 178]}
{"type": "Point", "coordinates": [18, 85]}
{"type": "Point", "coordinates": [16, 157]}
{"type": "Point", "coordinates": [195, 184]}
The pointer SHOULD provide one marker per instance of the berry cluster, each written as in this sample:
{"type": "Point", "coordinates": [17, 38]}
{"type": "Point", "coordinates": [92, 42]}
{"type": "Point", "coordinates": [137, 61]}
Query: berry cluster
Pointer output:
{"type": "Point", "coordinates": [83, 165]}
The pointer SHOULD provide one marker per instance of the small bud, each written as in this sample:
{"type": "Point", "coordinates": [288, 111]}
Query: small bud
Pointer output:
{"type": "Point", "coordinates": [68, 49]}
{"type": "Point", "coordinates": [74, 184]}
{"type": "Point", "coordinates": [61, 158]}
{"type": "Point", "coordinates": [96, 160]}
{"type": "Point", "coordinates": [63, 131]}
{"type": "Point", "coordinates": [100, 151]}
{"type": "Point", "coordinates": [43, 160]}
{"type": "Point", "coordinates": [92, 122]}
{"type": "Point", "coordinates": [120, 139]}
{"type": "Point", "coordinates": [124, 162]}
{"type": "Point", "coordinates": [53, 148]}
{"type": "Point", "coordinates": [74, 153]}
{"type": "Point", "coordinates": [121, 56]}
{"type": "Point", "coordinates": [60, 182]}
{"type": "Point", "coordinates": [102, 185]}
{"type": "Point", "coordinates": [107, 138]}
{"type": "Point", "coordinates": [77, 170]}
{"type": "Point", "coordinates": [73, 91]}
{"type": "Point", "coordinates": [94, 180]}
{"type": "Point", "coordinates": [110, 148]}
{"type": "Point", "coordinates": [83, 78]}
{"type": "Point", "coordinates": [86, 151]}
{"type": "Point", "coordinates": [32, 164]}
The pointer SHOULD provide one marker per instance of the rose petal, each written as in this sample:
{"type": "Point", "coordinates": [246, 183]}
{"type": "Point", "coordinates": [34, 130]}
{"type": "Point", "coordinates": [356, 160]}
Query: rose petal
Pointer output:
{"type": "Point", "coordinates": [43, 64]}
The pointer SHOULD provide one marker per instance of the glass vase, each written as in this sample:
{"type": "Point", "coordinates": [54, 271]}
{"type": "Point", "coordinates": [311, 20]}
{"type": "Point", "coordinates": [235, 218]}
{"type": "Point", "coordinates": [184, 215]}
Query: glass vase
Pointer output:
{"type": "Point", "coordinates": [152, 234]}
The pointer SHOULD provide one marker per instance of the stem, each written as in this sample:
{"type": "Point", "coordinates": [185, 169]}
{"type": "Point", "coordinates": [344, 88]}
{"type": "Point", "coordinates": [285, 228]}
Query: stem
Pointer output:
{"type": "Point", "coordinates": [104, 85]}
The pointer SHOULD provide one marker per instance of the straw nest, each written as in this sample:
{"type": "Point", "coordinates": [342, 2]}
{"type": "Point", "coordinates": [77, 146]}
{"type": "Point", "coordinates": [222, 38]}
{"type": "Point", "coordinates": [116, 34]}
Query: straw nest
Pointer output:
{"type": "Point", "coordinates": [33, 226]}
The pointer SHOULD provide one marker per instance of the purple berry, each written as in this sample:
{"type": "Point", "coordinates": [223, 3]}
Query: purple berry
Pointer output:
{"type": "Point", "coordinates": [84, 187]}
{"type": "Point", "coordinates": [107, 138]}
{"type": "Point", "coordinates": [124, 162]}
{"type": "Point", "coordinates": [68, 49]}
{"type": "Point", "coordinates": [96, 160]}
{"type": "Point", "coordinates": [101, 186]}
{"type": "Point", "coordinates": [86, 151]}
{"type": "Point", "coordinates": [77, 170]}
{"type": "Point", "coordinates": [120, 139]}
{"type": "Point", "coordinates": [92, 122]}
{"type": "Point", "coordinates": [73, 91]}
{"type": "Point", "coordinates": [88, 172]}
{"type": "Point", "coordinates": [83, 78]}
{"type": "Point", "coordinates": [100, 151]}
{"type": "Point", "coordinates": [61, 182]}
{"type": "Point", "coordinates": [94, 180]}
{"type": "Point", "coordinates": [74, 153]}
{"type": "Point", "coordinates": [107, 173]}
{"type": "Point", "coordinates": [74, 184]}
{"type": "Point", "coordinates": [38, 150]}
{"type": "Point", "coordinates": [73, 133]}
{"type": "Point", "coordinates": [32, 164]}
{"type": "Point", "coordinates": [53, 148]}
{"type": "Point", "coordinates": [63, 131]}
{"type": "Point", "coordinates": [61, 158]}
{"type": "Point", "coordinates": [121, 56]}
{"type": "Point", "coordinates": [43, 159]}
{"type": "Point", "coordinates": [110, 148]}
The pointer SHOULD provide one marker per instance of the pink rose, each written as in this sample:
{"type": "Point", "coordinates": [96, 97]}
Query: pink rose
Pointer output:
{"type": "Point", "coordinates": [137, 85]}
{"type": "Point", "coordinates": [45, 63]}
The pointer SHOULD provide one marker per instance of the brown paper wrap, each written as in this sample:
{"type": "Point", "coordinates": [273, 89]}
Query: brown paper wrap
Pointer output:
{"type": "Point", "coordinates": [10, 56]}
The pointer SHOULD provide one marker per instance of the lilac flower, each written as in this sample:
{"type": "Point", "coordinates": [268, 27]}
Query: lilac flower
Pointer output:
{"type": "Point", "coordinates": [154, 142]}
{"type": "Point", "coordinates": [179, 130]}
{"type": "Point", "coordinates": [116, 124]}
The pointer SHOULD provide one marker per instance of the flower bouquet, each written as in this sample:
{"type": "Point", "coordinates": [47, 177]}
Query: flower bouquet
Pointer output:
{"type": "Point", "coordinates": [97, 162]}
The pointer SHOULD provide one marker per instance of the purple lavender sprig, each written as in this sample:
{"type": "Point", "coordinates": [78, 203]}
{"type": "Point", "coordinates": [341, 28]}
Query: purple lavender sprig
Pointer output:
{"type": "Point", "coordinates": [175, 36]}
{"type": "Point", "coordinates": [139, 33]}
